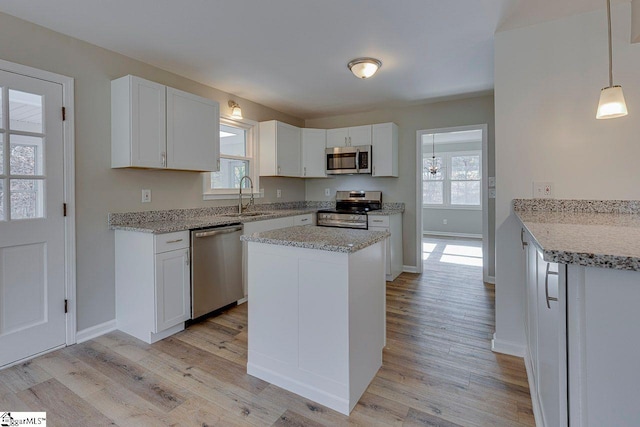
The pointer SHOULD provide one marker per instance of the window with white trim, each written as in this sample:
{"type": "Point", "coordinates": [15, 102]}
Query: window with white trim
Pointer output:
{"type": "Point", "coordinates": [457, 184]}
{"type": "Point", "coordinates": [238, 157]}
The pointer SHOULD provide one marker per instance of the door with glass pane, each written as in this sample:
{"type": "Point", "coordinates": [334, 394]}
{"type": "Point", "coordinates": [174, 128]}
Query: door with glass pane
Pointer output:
{"type": "Point", "coordinates": [32, 246]}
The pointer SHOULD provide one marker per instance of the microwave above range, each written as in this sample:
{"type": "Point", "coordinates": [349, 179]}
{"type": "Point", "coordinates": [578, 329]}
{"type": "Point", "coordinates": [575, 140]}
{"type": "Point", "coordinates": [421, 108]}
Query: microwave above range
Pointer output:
{"type": "Point", "coordinates": [348, 160]}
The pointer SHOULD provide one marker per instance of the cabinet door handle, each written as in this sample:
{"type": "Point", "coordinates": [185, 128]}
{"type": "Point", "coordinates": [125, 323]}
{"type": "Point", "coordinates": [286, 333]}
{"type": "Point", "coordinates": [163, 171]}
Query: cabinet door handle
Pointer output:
{"type": "Point", "coordinates": [278, 170]}
{"type": "Point", "coordinates": [349, 141]}
{"type": "Point", "coordinates": [305, 171]}
{"type": "Point", "coordinates": [346, 141]}
{"type": "Point", "coordinates": [174, 241]}
{"type": "Point", "coordinates": [376, 220]}
{"type": "Point", "coordinates": [524, 244]}
{"type": "Point", "coordinates": [163, 159]}
{"type": "Point", "coordinates": [304, 220]}
{"type": "Point", "coordinates": [187, 258]}
{"type": "Point", "coordinates": [546, 285]}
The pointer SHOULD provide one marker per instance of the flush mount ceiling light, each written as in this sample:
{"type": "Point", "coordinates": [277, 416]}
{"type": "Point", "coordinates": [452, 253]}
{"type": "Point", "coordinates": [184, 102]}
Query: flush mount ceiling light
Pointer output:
{"type": "Point", "coordinates": [363, 68]}
{"type": "Point", "coordinates": [611, 103]}
{"type": "Point", "coordinates": [236, 111]}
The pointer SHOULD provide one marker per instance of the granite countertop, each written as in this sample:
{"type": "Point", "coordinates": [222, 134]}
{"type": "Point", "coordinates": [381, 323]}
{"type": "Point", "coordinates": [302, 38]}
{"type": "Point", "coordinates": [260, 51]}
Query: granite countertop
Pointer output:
{"type": "Point", "coordinates": [323, 238]}
{"type": "Point", "coordinates": [601, 237]}
{"type": "Point", "coordinates": [168, 221]}
{"type": "Point", "coordinates": [181, 224]}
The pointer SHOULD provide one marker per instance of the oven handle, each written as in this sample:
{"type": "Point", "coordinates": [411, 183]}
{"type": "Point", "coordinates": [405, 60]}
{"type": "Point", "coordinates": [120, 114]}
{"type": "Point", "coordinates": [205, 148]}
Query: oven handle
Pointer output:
{"type": "Point", "coordinates": [358, 160]}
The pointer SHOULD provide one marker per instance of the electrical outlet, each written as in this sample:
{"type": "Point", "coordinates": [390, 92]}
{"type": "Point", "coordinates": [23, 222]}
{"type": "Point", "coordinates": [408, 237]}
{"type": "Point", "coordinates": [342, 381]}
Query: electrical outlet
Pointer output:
{"type": "Point", "coordinates": [278, 193]}
{"type": "Point", "coordinates": [327, 192]}
{"type": "Point", "coordinates": [542, 190]}
{"type": "Point", "coordinates": [444, 221]}
{"type": "Point", "coordinates": [146, 196]}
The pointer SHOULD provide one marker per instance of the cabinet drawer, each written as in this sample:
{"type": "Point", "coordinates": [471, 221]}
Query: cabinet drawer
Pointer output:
{"type": "Point", "coordinates": [303, 219]}
{"type": "Point", "coordinates": [378, 221]}
{"type": "Point", "coordinates": [171, 241]}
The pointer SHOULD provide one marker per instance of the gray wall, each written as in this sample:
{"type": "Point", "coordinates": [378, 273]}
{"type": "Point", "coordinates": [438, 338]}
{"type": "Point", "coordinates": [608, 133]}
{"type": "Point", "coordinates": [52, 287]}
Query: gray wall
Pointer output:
{"type": "Point", "coordinates": [100, 189]}
{"type": "Point", "coordinates": [459, 221]}
{"type": "Point", "coordinates": [469, 111]}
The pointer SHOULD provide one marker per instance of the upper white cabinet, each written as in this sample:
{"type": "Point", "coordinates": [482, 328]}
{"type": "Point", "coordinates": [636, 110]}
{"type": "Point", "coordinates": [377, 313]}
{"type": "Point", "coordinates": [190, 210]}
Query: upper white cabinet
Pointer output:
{"type": "Point", "coordinates": [280, 149]}
{"type": "Point", "coordinates": [314, 142]}
{"type": "Point", "coordinates": [385, 150]}
{"type": "Point", "coordinates": [352, 136]}
{"type": "Point", "coordinates": [193, 132]}
{"type": "Point", "coordinates": [154, 126]}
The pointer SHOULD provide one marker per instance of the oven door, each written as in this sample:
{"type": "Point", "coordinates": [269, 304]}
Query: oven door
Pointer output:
{"type": "Point", "coordinates": [348, 160]}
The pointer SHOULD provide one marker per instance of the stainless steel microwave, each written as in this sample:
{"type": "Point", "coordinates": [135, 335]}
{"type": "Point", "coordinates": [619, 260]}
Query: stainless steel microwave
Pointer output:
{"type": "Point", "coordinates": [348, 160]}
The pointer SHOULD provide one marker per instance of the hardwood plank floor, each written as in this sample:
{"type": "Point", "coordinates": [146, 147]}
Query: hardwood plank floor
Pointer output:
{"type": "Point", "coordinates": [438, 367]}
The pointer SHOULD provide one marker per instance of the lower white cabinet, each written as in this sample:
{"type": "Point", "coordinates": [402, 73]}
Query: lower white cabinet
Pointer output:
{"type": "Point", "coordinates": [546, 314]}
{"type": "Point", "coordinates": [266, 225]}
{"type": "Point", "coordinates": [392, 224]}
{"type": "Point", "coordinates": [153, 283]}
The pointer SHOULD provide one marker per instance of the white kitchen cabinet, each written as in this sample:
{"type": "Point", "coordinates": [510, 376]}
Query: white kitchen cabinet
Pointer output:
{"type": "Point", "coordinates": [153, 283]}
{"type": "Point", "coordinates": [280, 149]}
{"type": "Point", "coordinates": [314, 142]}
{"type": "Point", "coordinates": [384, 150]}
{"type": "Point", "coordinates": [351, 136]}
{"type": "Point", "coordinates": [155, 126]}
{"type": "Point", "coordinates": [193, 132]}
{"type": "Point", "coordinates": [546, 315]}
{"type": "Point", "coordinates": [392, 224]}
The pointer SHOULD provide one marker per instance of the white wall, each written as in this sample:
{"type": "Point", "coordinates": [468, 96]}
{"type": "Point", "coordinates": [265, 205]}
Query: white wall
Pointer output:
{"type": "Point", "coordinates": [547, 83]}
{"type": "Point", "coordinates": [100, 189]}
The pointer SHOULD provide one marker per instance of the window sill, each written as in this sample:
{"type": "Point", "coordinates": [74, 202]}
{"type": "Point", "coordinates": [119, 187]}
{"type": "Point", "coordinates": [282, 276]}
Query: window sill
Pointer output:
{"type": "Point", "coordinates": [230, 196]}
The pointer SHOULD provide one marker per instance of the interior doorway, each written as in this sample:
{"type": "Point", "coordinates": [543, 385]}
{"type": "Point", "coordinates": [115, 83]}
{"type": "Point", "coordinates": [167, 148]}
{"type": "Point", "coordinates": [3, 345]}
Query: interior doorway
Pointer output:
{"type": "Point", "coordinates": [452, 187]}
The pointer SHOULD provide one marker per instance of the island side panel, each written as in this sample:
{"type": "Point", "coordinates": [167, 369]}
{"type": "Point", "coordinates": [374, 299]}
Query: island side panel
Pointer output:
{"type": "Point", "coordinates": [269, 339]}
{"type": "Point", "coordinates": [367, 317]}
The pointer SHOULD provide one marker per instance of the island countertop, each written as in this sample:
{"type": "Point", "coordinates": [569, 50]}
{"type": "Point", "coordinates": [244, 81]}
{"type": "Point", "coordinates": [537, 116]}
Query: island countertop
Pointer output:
{"type": "Point", "coordinates": [603, 237]}
{"type": "Point", "coordinates": [345, 240]}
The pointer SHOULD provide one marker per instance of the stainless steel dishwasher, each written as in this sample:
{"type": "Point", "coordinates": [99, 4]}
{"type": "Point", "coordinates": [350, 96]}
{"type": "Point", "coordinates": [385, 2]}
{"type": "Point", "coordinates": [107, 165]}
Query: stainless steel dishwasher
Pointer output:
{"type": "Point", "coordinates": [216, 268]}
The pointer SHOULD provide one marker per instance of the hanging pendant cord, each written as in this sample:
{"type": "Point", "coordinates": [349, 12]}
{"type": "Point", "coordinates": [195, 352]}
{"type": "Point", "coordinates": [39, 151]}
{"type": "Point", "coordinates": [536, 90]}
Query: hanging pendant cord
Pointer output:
{"type": "Point", "coordinates": [610, 49]}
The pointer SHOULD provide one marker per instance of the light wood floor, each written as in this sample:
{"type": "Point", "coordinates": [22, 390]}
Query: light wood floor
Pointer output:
{"type": "Point", "coordinates": [438, 370]}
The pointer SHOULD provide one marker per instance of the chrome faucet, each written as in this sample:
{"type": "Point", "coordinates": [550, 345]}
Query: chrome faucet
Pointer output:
{"type": "Point", "coordinates": [251, 202]}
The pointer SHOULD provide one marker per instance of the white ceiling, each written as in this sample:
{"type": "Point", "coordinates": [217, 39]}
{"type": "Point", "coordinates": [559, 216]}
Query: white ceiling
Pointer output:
{"type": "Point", "coordinates": [292, 55]}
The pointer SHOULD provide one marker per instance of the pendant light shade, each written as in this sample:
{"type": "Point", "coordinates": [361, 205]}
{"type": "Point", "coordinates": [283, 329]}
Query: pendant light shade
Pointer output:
{"type": "Point", "coordinates": [611, 103]}
{"type": "Point", "coordinates": [363, 68]}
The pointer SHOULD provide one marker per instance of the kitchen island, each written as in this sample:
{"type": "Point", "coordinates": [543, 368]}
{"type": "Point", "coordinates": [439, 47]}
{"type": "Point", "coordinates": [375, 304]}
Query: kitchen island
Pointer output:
{"type": "Point", "coordinates": [317, 311]}
{"type": "Point", "coordinates": [582, 281]}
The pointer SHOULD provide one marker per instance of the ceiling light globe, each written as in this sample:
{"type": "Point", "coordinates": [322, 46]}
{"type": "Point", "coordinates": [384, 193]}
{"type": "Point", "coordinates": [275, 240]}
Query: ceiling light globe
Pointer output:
{"type": "Point", "coordinates": [363, 68]}
{"type": "Point", "coordinates": [611, 103]}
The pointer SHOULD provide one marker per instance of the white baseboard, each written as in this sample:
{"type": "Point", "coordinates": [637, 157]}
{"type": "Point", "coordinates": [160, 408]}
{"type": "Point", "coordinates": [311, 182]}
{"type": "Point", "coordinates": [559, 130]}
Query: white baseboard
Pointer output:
{"type": "Point", "coordinates": [448, 234]}
{"type": "Point", "coordinates": [95, 331]}
{"type": "Point", "coordinates": [507, 347]}
{"type": "Point", "coordinates": [533, 391]}
{"type": "Point", "coordinates": [409, 269]}
{"type": "Point", "coordinates": [491, 279]}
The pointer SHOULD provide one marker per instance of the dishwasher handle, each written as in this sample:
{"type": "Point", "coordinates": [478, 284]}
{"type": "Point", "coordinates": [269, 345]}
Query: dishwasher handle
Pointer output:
{"type": "Point", "coordinates": [218, 231]}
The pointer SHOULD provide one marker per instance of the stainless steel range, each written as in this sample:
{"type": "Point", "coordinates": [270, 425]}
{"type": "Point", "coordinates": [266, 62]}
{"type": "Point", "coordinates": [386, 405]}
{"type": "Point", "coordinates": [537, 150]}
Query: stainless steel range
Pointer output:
{"type": "Point", "coordinates": [351, 209]}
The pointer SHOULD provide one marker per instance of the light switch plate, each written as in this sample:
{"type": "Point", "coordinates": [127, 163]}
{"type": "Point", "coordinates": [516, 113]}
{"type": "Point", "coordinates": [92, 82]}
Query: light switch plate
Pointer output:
{"type": "Point", "coordinates": [492, 181]}
{"type": "Point", "coordinates": [146, 195]}
{"type": "Point", "coordinates": [542, 190]}
{"type": "Point", "coordinates": [278, 193]}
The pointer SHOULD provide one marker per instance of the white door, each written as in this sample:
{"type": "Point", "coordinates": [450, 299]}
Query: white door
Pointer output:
{"type": "Point", "coordinates": [173, 289]}
{"type": "Point", "coordinates": [313, 154]}
{"type": "Point", "coordinates": [289, 140]}
{"type": "Point", "coordinates": [360, 135]}
{"type": "Point", "coordinates": [32, 246]}
{"type": "Point", "coordinates": [337, 137]}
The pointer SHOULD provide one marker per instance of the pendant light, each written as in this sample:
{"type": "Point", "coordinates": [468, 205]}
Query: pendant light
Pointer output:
{"type": "Point", "coordinates": [611, 103]}
{"type": "Point", "coordinates": [433, 169]}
